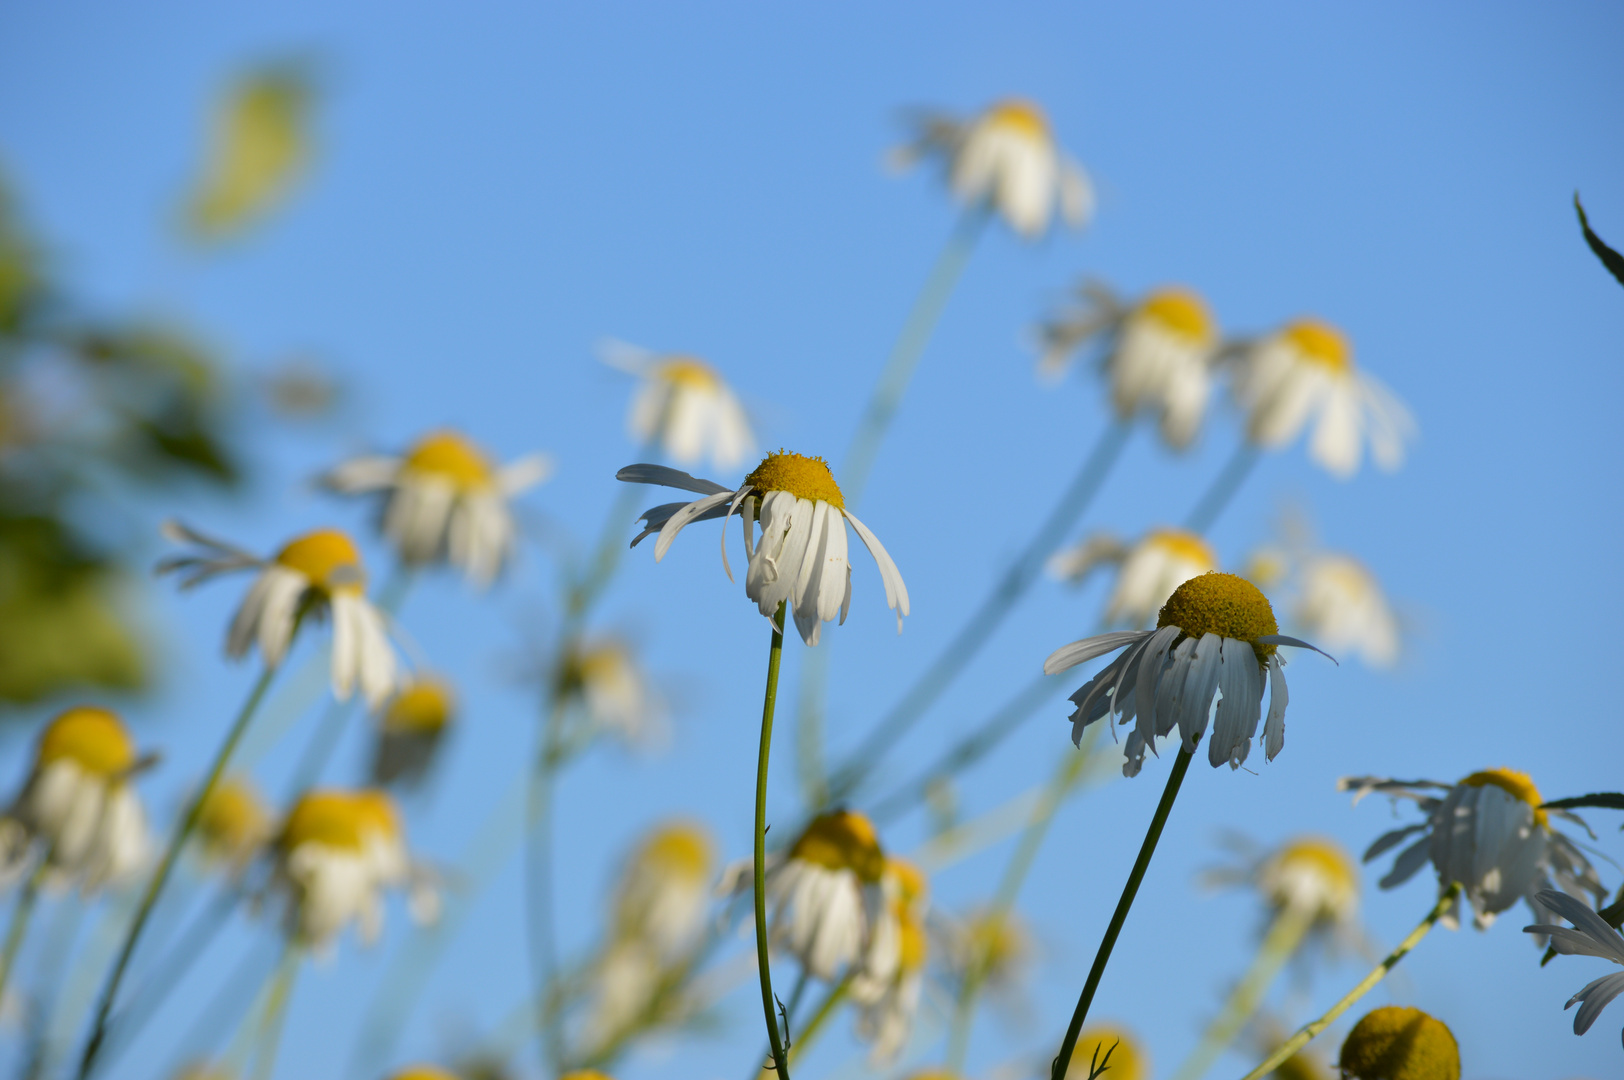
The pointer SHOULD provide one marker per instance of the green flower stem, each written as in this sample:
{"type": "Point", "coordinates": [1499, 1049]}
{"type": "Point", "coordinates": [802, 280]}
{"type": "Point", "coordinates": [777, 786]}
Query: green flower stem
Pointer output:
{"type": "Point", "coordinates": [20, 916]}
{"type": "Point", "coordinates": [802, 981]}
{"type": "Point", "coordinates": [539, 887]}
{"type": "Point", "coordinates": [276, 1012]}
{"type": "Point", "coordinates": [1181, 765]}
{"type": "Point", "coordinates": [1285, 933]}
{"type": "Point", "coordinates": [826, 1008]}
{"type": "Point", "coordinates": [769, 1005]}
{"type": "Point", "coordinates": [1223, 488]}
{"type": "Point", "coordinates": [1313, 1028]}
{"type": "Point", "coordinates": [188, 822]}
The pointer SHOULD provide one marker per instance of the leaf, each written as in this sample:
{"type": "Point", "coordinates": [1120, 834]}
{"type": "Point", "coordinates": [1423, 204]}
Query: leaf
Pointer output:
{"type": "Point", "coordinates": [1609, 258]}
{"type": "Point", "coordinates": [1602, 800]}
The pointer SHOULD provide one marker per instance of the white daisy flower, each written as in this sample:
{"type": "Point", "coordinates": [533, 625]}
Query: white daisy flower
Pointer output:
{"type": "Point", "coordinates": [801, 557]}
{"type": "Point", "coordinates": [316, 574]}
{"type": "Point", "coordinates": [603, 676]}
{"type": "Point", "coordinates": [684, 405]}
{"type": "Point", "coordinates": [665, 887]}
{"type": "Point", "coordinates": [1490, 833]}
{"type": "Point", "coordinates": [1158, 353]}
{"type": "Point", "coordinates": [234, 825]}
{"type": "Point", "coordinates": [78, 810]}
{"type": "Point", "coordinates": [411, 729]}
{"type": "Point", "coordinates": [888, 1005]}
{"type": "Point", "coordinates": [1590, 936]}
{"type": "Point", "coordinates": [444, 500]}
{"type": "Point", "coordinates": [1342, 605]}
{"type": "Point", "coordinates": [1305, 373]}
{"type": "Point", "coordinates": [1215, 634]}
{"type": "Point", "coordinates": [1007, 159]}
{"type": "Point", "coordinates": [1310, 874]}
{"type": "Point", "coordinates": [1148, 572]}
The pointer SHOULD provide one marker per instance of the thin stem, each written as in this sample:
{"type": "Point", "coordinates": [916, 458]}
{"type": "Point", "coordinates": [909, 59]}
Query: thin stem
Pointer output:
{"type": "Point", "coordinates": [769, 1004]}
{"type": "Point", "coordinates": [1181, 765]}
{"type": "Point", "coordinates": [826, 1008]}
{"type": "Point", "coordinates": [801, 982]}
{"type": "Point", "coordinates": [20, 916]}
{"type": "Point", "coordinates": [166, 866]}
{"type": "Point", "coordinates": [276, 1013]}
{"type": "Point", "coordinates": [1286, 932]}
{"type": "Point", "coordinates": [1223, 488]}
{"type": "Point", "coordinates": [1313, 1028]}
{"type": "Point", "coordinates": [539, 886]}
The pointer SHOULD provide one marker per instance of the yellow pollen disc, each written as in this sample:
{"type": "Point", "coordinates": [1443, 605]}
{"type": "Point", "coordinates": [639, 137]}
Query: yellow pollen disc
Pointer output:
{"type": "Point", "coordinates": [1512, 782]}
{"type": "Point", "coordinates": [333, 818]}
{"type": "Point", "coordinates": [1222, 604]}
{"type": "Point", "coordinates": [423, 1072]}
{"type": "Point", "coordinates": [328, 558]}
{"type": "Point", "coordinates": [377, 812]}
{"type": "Point", "coordinates": [1020, 115]}
{"type": "Point", "coordinates": [1183, 545]}
{"type": "Point", "coordinates": [1322, 858]}
{"type": "Point", "coordinates": [683, 849]}
{"type": "Point", "coordinates": [803, 477]}
{"type": "Point", "coordinates": [1128, 1060]}
{"type": "Point", "coordinates": [94, 739]}
{"type": "Point", "coordinates": [233, 819]}
{"type": "Point", "coordinates": [450, 455]}
{"type": "Point", "coordinates": [687, 371]}
{"type": "Point", "coordinates": [842, 840]}
{"type": "Point", "coordinates": [1320, 343]}
{"type": "Point", "coordinates": [1400, 1043]}
{"type": "Point", "coordinates": [1180, 312]}
{"type": "Point", "coordinates": [423, 708]}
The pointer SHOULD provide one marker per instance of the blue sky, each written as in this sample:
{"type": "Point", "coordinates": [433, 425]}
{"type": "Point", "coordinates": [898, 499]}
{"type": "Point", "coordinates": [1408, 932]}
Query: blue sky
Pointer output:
{"type": "Point", "coordinates": [497, 191]}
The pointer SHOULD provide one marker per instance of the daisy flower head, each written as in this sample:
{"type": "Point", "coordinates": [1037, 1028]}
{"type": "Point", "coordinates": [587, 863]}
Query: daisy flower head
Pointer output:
{"type": "Point", "coordinates": [801, 556]}
{"type": "Point", "coordinates": [1314, 874]}
{"type": "Point", "coordinates": [234, 824]}
{"type": "Point", "coordinates": [1215, 635]}
{"type": "Point", "coordinates": [1591, 935]}
{"type": "Point", "coordinates": [1397, 1042]}
{"type": "Point", "coordinates": [411, 729]}
{"type": "Point", "coordinates": [603, 677]}
{"type": "Point", "coordinates": [1304, 373]}
{"type": "Point", "coordinates": [1342, 604]}
{"type": "Point", "coordinates": [313, 575]}
{"type": "Point", "coordinates": [1491, 833]}
{"type": "Point", "coordinates": [887, 1006]}
{"type": "Point", "coordinates": [422, 1072]}
{"type": "Point", "coordinates": [665, 886]}
{"type": "Point", "coordinates": [1157, 355]}
{"type": "Point", "coordinates": [993, 947]}
{"type": "Point", "coordinates": [683, 404]}
{"type": "Point", "coordinates": [78, 810]}
{"type": "Point", "coordinates": [1007, 160]}
{"type": "Point", "coordinates": [1129, 1059]}
{"type": "Point", "coordinates": [1148, 571]}
{"type": "Point", "coordinates": [444, 500]}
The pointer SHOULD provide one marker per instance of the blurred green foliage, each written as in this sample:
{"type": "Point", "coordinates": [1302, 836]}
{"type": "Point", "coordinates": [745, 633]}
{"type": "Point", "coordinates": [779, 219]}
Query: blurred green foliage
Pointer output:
{"type": "Point", "coordinates": [259, 147]}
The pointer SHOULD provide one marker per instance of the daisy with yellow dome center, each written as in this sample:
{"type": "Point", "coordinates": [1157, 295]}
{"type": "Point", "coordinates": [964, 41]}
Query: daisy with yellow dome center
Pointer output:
{"type": "Point", "coordinates": [1148, 571]}
{"type": "Point", "coordinates": [1591, 935]}
{"type": "Point", "coordinates": [665, 885]}
{"type": "Point", "coordinates": [234, 824]}
{"type": "Point", "coordinates": [887, 1006]}
{"type": "Point", "coordinates": [801, 557]}
{"type": "Point", "coordinates": [1304, 374]}
{"type": "Point", "coordinates": [411, 729]}
{"type": "Point", "coordinates": [1157, 354]}
{"type": "Point", "coordinates": [1490, 833]}
{"type": "Point", "coordinates": [1342, 605]}
{"type": "Point", "coordinates": [1128, 1060]}
{"type": "Point", "coordinates": [683, 404]}
{"type": "Point", "coordinates": [1006, 159]}
{"type": "Point", "coordinates": [1397, 1042]}
{"type": "Point", "coordinates": [444, 500]}
{"type": "Point", "coordinates": [603, 677]}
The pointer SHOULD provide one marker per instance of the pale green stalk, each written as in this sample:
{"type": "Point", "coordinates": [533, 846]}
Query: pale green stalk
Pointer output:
{"type": "Point", "coordinates": [826, 1008]}
{"type": "Point", "coordinates": [276, 1013]}
{"type": "Point", "coordinates": [539, 886]}
{"type": "Point", "coordinates": [20, 916]}
{"type": "Point", "coordinates": [763, 757]}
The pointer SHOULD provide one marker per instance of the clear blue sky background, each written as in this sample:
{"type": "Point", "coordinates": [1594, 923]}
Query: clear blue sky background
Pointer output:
{"type": "Point", "coordinates": [499, 189]}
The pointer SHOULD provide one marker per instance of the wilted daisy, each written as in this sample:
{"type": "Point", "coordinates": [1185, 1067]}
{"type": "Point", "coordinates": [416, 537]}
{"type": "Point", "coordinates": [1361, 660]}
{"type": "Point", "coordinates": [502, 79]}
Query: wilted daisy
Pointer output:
{"type": "Point", "coordinates": [801, 557]}
{"type": "Point", "coordinates": [234, 824]}
{"type": "Point", "coordinates": [1005, 159]}
{"type": "Point", "coordinates": [411, 729]}
{"type": "Point", "coordinates": [1147, 574]}
{"type": "Point", "coordinates": [683, 404]}
{"type": "Point", "coordinates": [78, 810]}
{"type": "Point", "coordinates": [1397, 1042]}
{"type": "Point", "coordinates": [1128, 1061]}
{"type": "Point", "coordinates": [1157, 354]}
{"type": "Point", "coordinates": [444, 500]}
{"type": "Point", "coordinates": [887, 1005]}
{"type": "Point", "coordinates": [1487, 832]}
{"type": "Point", "coordinates": [1590, 936]}
{"type": "Point", "coordinates": [993, 947]}
{"type": "Point", "coordinates": [1311, 875]}
{"type": "Point", "coordinates": [1215, 634]}
{"type": "Point", "coordinates": [665, 886]}
{"type": "Point", "coordinates": [316, 574]}
{"type": "Point", "coordinates": [1305, 373]}
{"type": "Point", "coordinates": [1341, 604]}
{"type": "Point", "coordinates": [603, 677]}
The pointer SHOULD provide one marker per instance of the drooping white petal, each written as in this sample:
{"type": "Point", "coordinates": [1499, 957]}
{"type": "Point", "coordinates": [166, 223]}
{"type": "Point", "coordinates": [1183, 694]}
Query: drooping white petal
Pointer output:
{"type": "Point", "coordinates": [896, 593]}
{"type": "Point", "coordinates": [683, 517]}
{"type": "Point", "coordinates": [667, 477]}
{"type": "Point", "coordinates": [1069, 656]}
{"type": "Point", "coordinates": [1274, 728]}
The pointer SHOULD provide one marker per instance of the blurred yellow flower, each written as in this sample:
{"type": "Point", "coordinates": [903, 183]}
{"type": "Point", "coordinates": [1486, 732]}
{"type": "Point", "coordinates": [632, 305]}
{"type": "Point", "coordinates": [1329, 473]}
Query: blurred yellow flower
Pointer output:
{"type": "Point", "coordinates": [1128, 1059]}
{"type": "Point", "coordinates": [411, 729]}
{"type": "Point", "coordinates": [259, 147]}
{"type": "Point", "coordinates": [1400, 1043]}
{"type": "Point", "coordinates": [234, 823]}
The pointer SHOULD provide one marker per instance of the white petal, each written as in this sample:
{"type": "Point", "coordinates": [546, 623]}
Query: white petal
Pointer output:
{"type": "Point", "coordinates": [682, 517]}
{"type": "Point", "coordinates": [1069, 656]}
{"type": "Point", "coordinates": [659, 474]}
{"type": "Point", "coordinates": [896, 593]}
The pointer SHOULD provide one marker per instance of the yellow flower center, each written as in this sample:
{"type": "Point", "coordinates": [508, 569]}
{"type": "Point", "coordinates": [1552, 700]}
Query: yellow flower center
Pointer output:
{"type": "Point", "coordinates": [1128, 1060]}
{"type": "Point", "coordinates": [1321, 343]}
{"type": "Point", "coordinates": [328, 559]}
{"type": "Point", "coordinates": [1516, 784]}
{"type": "Point", "coordinates": [1222, 604]}
{"type": "Point", "coordinates": [688, 372]}
{"type": "Point", "coordinates": [998, 944]}
{"type": "Point", "coordinates": [803, 477]}
{"type": "Point", "coordinates": [1180, 312]}
{"type": "Point", "coordinates": [423, 708]}
{"type": "Point", "coordinates": [912, 944]}
{"type": "Point", "coordinates": [1324, 860]}
{"type": "Point", "coordinates": [92, 738]}
{"type": "Point", "coordinates": [683, 849]}
{"type": "Point", "coordinates": [1183, 545]}
{"type": "Point", "coordinates": [423, 1072]}
{"type": "Point", "coordinates": [450, 455]}
{"type": "Point", "coordinates": [586, 1074]}
{"type": "Point", "coordinates": [233, 820]}
{"type": "Point", "coordinates": [842, 840]}
{"type": "Point", "coordinates": [377, 812]}
{"type": "Point", "coordinates": [333, 818]}
{"type": "Point", "coordinates": [1020, 116]}
{"type": "Point", "coordinates": [1400, 1043]}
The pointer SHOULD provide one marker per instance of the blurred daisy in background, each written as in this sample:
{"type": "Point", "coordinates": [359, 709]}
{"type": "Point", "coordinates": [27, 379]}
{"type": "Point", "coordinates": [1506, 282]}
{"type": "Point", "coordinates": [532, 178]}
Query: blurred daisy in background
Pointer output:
{"type": "Point", "coordinates": [444, 501]}
{"type": "Point", "coordinates": [1311, 874]}
{"type": "Point", "coordinates": [423, 1072]}
{"type": "Point", "coordinates": [887, 1006]}
{"type": "Point", "coordinates": [234, 824]}
{"type": "Point", "coordinates": [601, 677]}
{"type": "Point", "coordinates": [1490, 833]}
{"type": "Point", "coordinates": [316, 574]}
{"type": "Point", "coordinates": [411, 728]}
{"type": "Point", "coordinates": [1304, 373]}
{"type": "Point", "coordinates": [1005, 159]}
{"type": "Point", "coordinates": [1397, 1042]}
{"type": "Point", "coordinates": [993, 947]}
{"type": "Point", "coordinates": [1590, 936]}
{"type": "Point", "coordinates": [801, 557]}
{"type": "Point", "coordinates": [684, 406]}
{"type": "Point", "coordinates": [1156, 354]}
{"type": "Point", "coordinates": [78, 811]}
{"type": "Point", "coordinates": [1148, 572]}
{"type": "Point", "coordinates": [1129, 1060]}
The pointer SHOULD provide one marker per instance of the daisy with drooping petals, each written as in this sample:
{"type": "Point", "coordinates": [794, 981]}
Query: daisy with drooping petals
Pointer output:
{"type": "Point", "coordinates": [801, 556]}
{"type": "Point", "coordinates": [411, 729]}
{"type": "Point", "coordinates": [1491, 833]}
{"type": "Point", "coordinates": [234, 825]}
{"type": "Point", "coordinates": [1157, 354]}
{"type": "Point", "coordinates": [1313, 875]}
{"type": "Point", "coordinates": [77, 810]}
{"type": "Point", "coordinates": [1006, 159]}
{"type": "Point", "coordinates": [1590, 936]}
{"type": "Point", "coordinates": [1341, 604]}
{"type": "Point", "coordinates": [1305, 373]}
{"type": "Point", "coordinates": [1149, 571]}
{"type": "Point", "coordinates": [444, 500]}
{"type": "Point", "coordinates": [316, 574]}
{"type": "Point", "coordinates": [888, 1005]}
{"type": "Point", "coordinates": [684, 405]}
{"type": "Point", "coordinates": [602, 676]}
{"type": "Point", "coordinates": [1397, 1042]}
{"type": "Point", "coordinates": [665, 886]}
{"type": "Point", "coordinates": [1215, 634]}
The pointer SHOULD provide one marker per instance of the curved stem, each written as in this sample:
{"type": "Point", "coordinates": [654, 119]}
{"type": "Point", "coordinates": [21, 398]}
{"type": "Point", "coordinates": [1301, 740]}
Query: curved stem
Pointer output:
{"type": "Point", "coordinates": [1223, 488]}
{"type": "Point", "coordinates": [1181, 765]}
{"type": "Point", "coordinates": [539, 887]}
{"type": "Point", "coordinates": [20, 916]}
{"type": "Point", "coordinates": [276, 1013]}
{"type": "Point", "coordinates": [768, 1003]}
{"type": "Point", "coordinates": [1313, 1028]}
{"type": "Point", "coordinates": [166, 866]}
